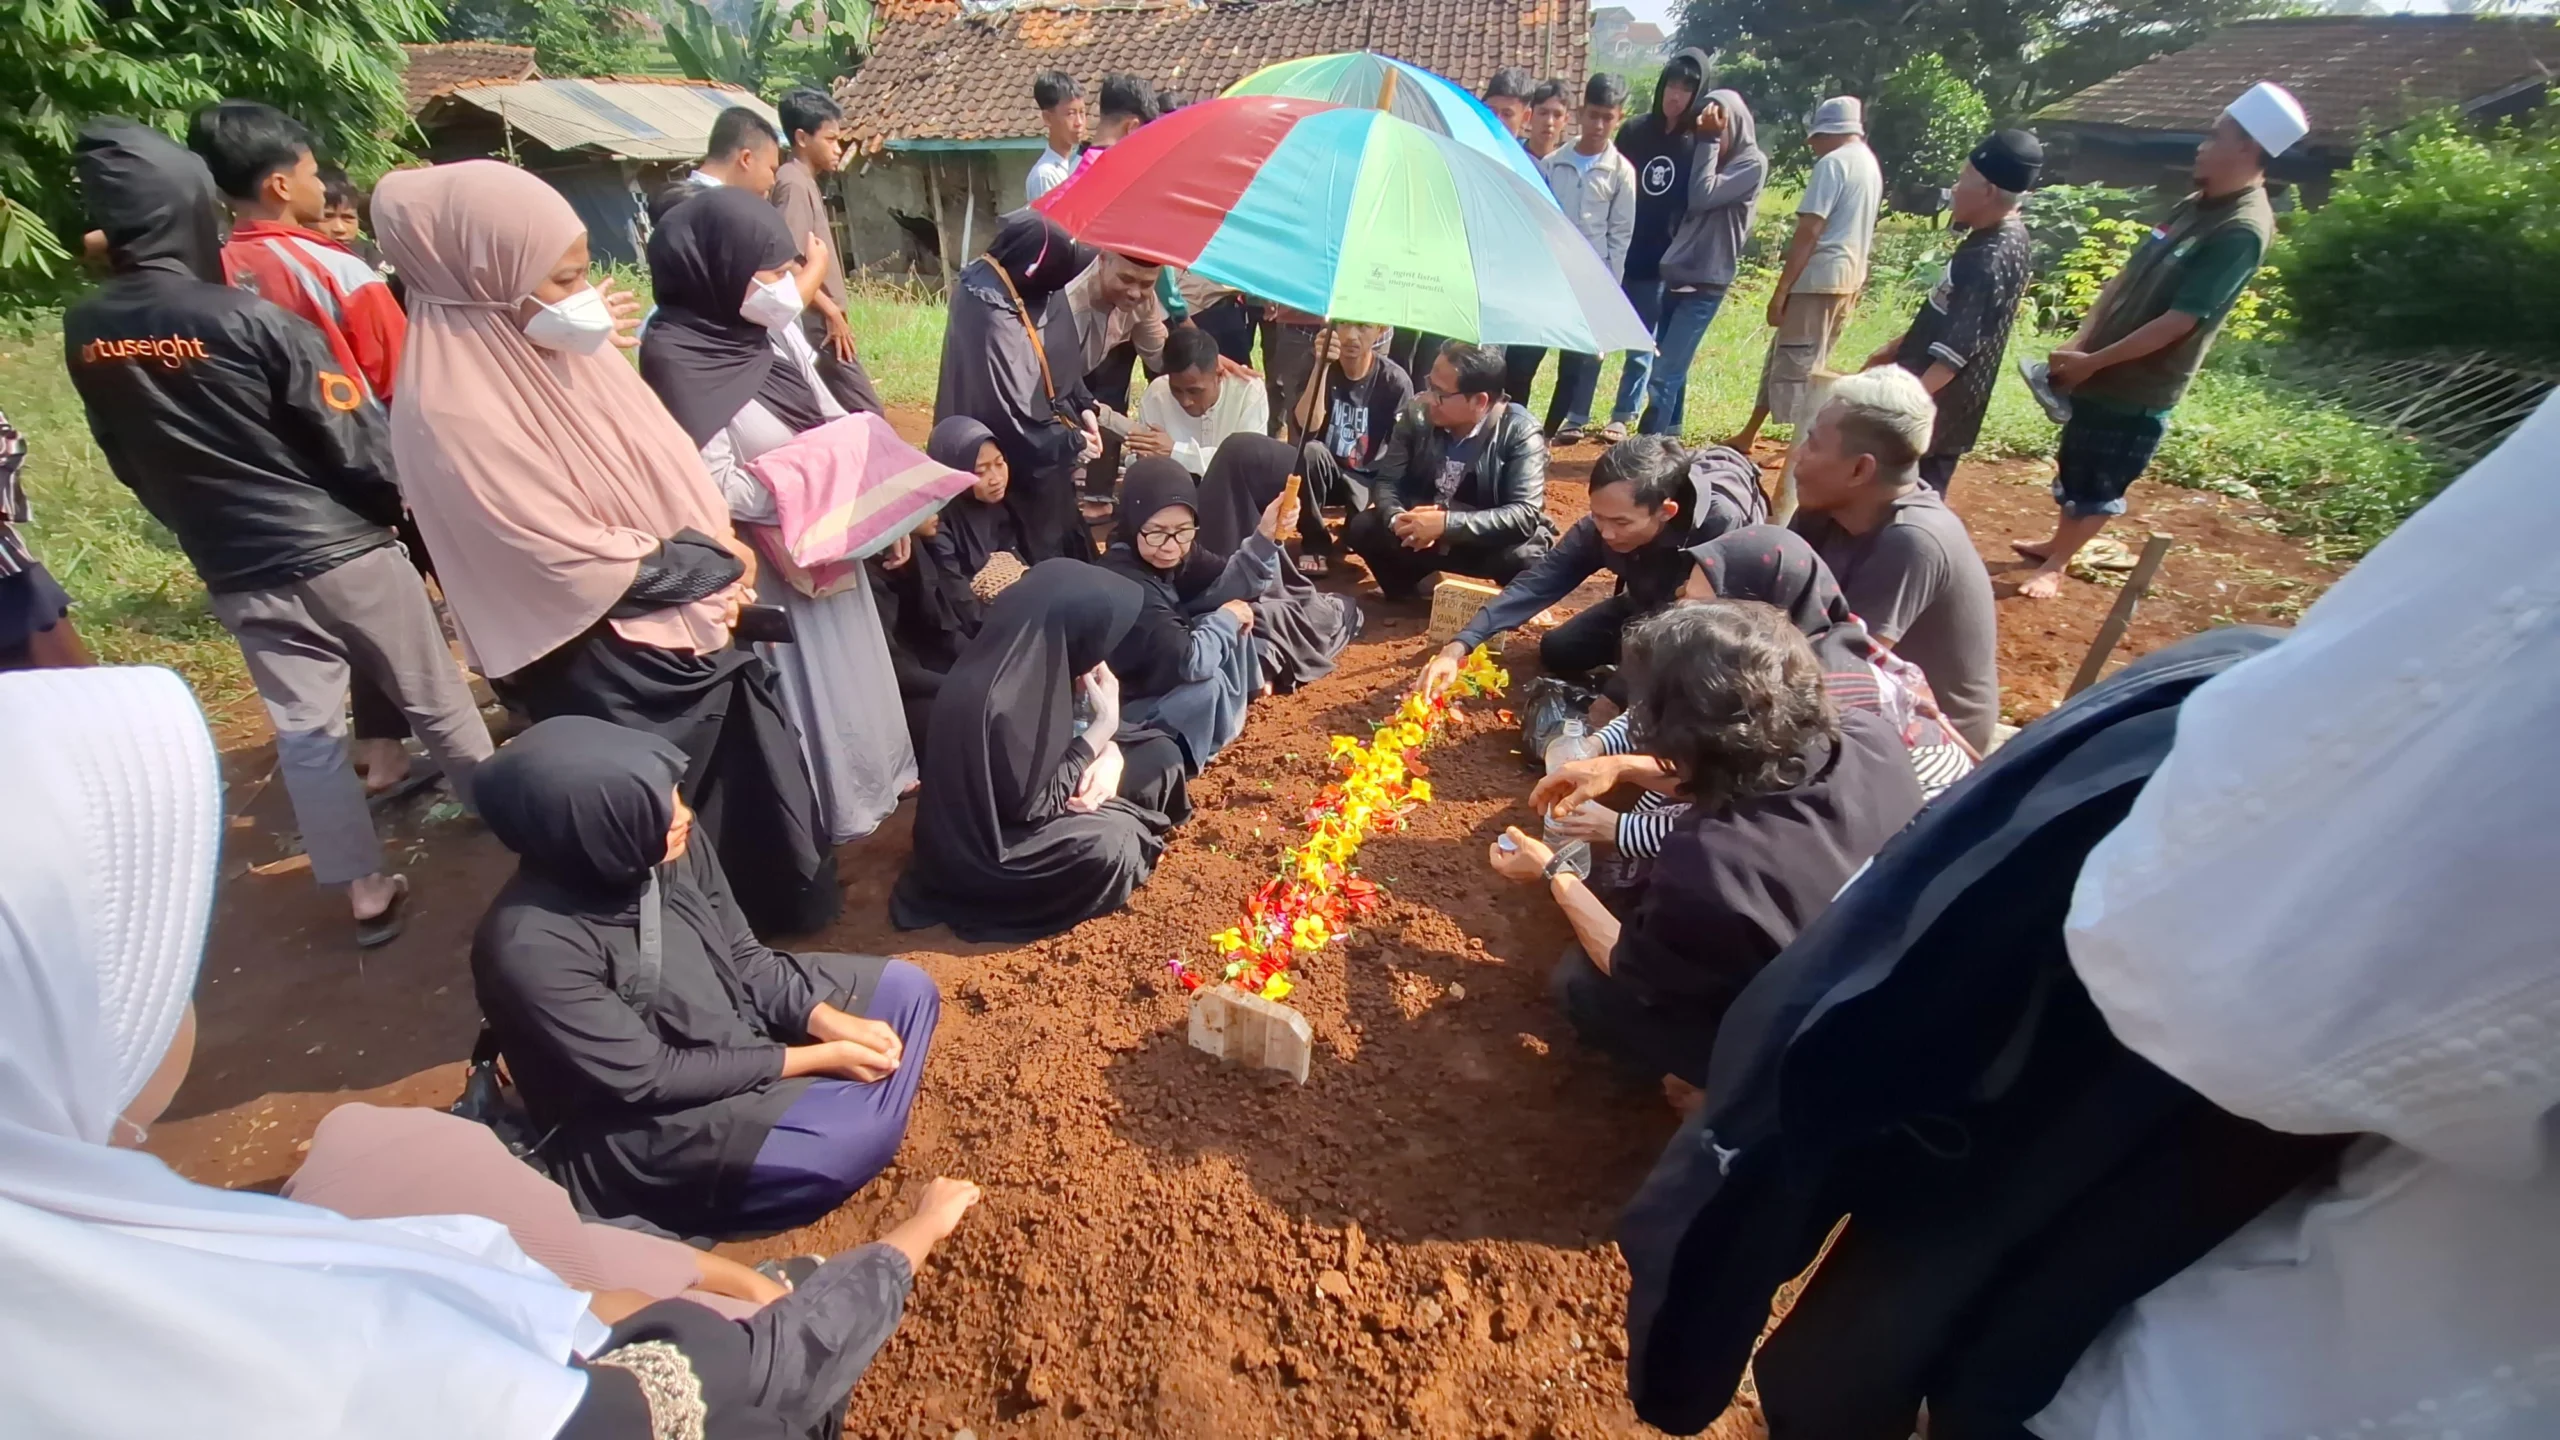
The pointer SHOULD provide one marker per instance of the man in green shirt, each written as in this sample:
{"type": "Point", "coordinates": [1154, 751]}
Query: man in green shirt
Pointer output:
{"type": "Point", "coordinates": [2144, 340]}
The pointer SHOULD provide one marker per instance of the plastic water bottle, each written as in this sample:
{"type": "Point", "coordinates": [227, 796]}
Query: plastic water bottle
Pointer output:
{"type": "Point", "coordinates": [1574, 742]}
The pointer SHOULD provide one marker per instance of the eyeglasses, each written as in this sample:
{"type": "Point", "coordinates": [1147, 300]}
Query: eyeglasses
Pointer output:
{"type": "Point", "coordinates": [1179, 535]}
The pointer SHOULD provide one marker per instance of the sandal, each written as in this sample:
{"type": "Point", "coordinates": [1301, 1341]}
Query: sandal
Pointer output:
{"type": "Point", "coordinates": [1313, 566]}
{"type": "Point", "coordinates": [1569, 435]}
{"type": "Point", "coordinates": [1613, 432]}
{"type": "Point", "coordinates": [384, 928]}
{"type": "Point", "coordinates": [792, 1271]}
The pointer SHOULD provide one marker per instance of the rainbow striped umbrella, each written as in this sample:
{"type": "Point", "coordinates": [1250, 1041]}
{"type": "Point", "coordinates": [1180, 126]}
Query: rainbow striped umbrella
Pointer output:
{"type": "Point", "coordinates": [1351, 214]}
{"type": "Point", "coordinates": [1408, 92]}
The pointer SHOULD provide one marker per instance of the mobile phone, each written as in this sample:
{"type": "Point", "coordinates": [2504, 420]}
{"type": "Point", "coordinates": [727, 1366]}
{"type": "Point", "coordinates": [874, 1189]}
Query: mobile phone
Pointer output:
{"type": "Point", "coordinates": [764, 625]}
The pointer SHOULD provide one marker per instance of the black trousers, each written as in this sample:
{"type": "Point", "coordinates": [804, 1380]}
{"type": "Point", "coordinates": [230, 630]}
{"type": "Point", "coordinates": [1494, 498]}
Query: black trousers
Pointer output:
{"type": "Point", "coordinates": [1400, 571]}
{"type": "Point", "coordinates": [1231, 325]}
{"type": "Point", "coordinates": [1608, 1017]}
{"type": "Point", "coordinates": [845, 379]}
{"type": "Point", "coordinates": [1939, 471]}
{"type": "Point", "coordinates": [1520, 370]}
{"type": "Point", "coordinates": [1588, 641]}
{"type": "Point", "coordinates": [1322, 482]}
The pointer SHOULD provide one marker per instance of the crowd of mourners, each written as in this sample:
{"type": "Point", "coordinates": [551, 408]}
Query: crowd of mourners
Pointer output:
{"type": "Point", "coordinates": [2104, 1033]}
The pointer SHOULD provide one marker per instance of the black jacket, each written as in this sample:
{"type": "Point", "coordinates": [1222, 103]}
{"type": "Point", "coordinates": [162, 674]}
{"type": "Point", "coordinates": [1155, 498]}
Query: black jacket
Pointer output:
{"type": "Point", "coordinates": [224, 412]}
{"type": "Point", "coordinates": [653, 1108]}
{"type": "Point", "coordinates": [1661, 150]}
{"type": "Point", "coordinates": [1931, 999]}
{"type": "Point", "coordinates": [1503, 498]}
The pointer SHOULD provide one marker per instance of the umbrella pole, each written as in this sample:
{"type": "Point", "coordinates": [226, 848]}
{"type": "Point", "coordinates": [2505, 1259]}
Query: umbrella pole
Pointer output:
{"type": "Point", "coordinates": [1387, 89]}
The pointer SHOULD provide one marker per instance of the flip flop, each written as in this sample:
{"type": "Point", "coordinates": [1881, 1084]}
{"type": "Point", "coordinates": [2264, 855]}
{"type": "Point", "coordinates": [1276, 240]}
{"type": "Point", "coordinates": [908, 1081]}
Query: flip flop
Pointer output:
{"type": "Point", "coordinates": [791, 1272]}
{"type": "Point", "coordinates": [384, 928]}
{"type": "Point", "coordinates": [422, 773]}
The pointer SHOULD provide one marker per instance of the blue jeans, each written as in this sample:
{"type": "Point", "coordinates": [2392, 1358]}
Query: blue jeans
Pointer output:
{"type": "Point", "coordinates": [1685, 318]}
{"type": "Point", "coordinates": [1646, 296]}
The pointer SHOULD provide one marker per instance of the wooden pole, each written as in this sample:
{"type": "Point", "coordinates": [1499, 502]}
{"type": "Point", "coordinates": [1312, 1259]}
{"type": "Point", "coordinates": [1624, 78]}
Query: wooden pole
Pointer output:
{"type": "Point", "coordinates": [1387, 90]}
{"type": "Point", "coordinates": [2119, 619]}
{"type": "Point", "coordinates": [933, 199]}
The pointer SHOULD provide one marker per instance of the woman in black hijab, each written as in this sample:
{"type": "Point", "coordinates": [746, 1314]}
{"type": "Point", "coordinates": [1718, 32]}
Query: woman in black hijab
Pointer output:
{"type": "Point", "coordinates": [1034, 820]}
{"type": "Point", "coordinates": [1189, 665]}
{"type": "Point", "coordinates": [1300, 630]}
{"type": "Point", "coordinates": [727, 357]}
{"type": "Point", "coordinates": [681, 1072]}
{"type": "Point", "coordinates": [1011, 361]}
{"type": "Point", "coordinates": [964, 556]}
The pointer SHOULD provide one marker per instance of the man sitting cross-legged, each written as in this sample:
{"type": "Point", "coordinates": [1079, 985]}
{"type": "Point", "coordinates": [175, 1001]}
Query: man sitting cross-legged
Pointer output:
{"type": "Point", "coordinates": [1649, 504]}
{"type": "Point", "coordinates": [1463, 484]}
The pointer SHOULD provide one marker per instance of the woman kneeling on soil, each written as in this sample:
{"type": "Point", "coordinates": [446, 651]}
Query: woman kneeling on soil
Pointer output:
{"type": "Point", "coordinates": [1300, 631]}
{"type": "Point", "coordinates": [685, 1074]}
{"type": "Point", "coordinates": [1189, 664]}
{"type": "Point", "coordinates": [1034, 817]}
{"type": "Point", "coordinates": [1772, 565]}
{"type": "Point", "coordinates": [1788, 795]}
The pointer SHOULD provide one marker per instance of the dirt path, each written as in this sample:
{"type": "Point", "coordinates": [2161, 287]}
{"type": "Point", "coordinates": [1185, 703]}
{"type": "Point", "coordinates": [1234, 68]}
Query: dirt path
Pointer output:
{"type": "Point", "coordinates": [1416, 1242]}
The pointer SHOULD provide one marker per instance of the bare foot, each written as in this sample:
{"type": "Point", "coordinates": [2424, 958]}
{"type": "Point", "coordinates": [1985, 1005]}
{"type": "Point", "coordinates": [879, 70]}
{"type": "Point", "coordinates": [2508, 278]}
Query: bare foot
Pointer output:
{"type": "Point", "coordinates": [2042, 585]}
{"type": "Point", "coordinates": [2032, 549]}
{"type": "Point", "coordinates": [374, 894]}
{"type": "Point", "coordinates": [382, 763]}
{"type": "Point", "coordinates": [1313, 566]}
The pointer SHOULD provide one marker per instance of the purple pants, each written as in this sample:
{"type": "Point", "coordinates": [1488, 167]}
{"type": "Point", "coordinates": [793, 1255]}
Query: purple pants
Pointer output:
{"type": "Point", "coordinates": [840, 1133]}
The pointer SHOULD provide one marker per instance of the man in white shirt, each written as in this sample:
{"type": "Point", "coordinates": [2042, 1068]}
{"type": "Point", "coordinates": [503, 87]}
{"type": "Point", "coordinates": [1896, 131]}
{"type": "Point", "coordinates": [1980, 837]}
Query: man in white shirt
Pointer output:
{"type": "Point", "coordinates": [1826, 262]}
{"type": "Point", "coordinates": [1596, 188]}
{"type": "Point", "coordinates": [1061, 102]}
{"type": "Point", "coordinates": [1191, 409]}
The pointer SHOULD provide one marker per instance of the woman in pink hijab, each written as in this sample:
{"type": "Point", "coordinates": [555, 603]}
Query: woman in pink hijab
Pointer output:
{"type": "Point", "coordinates": [584, 551]}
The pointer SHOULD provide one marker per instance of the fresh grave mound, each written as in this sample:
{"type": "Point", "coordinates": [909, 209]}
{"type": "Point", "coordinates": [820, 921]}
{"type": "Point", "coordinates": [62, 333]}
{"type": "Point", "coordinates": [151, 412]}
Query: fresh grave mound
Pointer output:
{"type": "Point", "coordinates": [1417, 1241]}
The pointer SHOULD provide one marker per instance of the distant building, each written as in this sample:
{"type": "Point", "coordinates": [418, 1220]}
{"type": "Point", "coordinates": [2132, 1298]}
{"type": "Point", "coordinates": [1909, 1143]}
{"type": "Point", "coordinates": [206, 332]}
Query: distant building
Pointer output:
{"type": "Point", "coordinates": [1619, 38]}
{"type": "Point", "coordinates": [605, 144]}
{"type": "Point", "coordinates": [945, 130]}
{"type": "Point", "coordinates": [431, 70]}
{"type": "Point", "coordinates": [2355, 76]}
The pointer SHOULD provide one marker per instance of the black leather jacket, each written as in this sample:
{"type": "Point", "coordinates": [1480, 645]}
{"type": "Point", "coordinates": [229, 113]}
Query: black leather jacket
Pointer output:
{"type": "Point", "coordinates": [224, 412]}
{"type": "Point", "coordinates": [1503, 497]}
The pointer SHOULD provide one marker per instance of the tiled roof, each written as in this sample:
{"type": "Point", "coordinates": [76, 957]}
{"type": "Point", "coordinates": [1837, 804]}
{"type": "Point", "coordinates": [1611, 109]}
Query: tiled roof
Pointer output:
{"type": "Point", "coordinates": [434, 69]}
{"type": "Point", "coordinates": [2350, 73]}
{"type": "Point", "coordinates": [940, 74]}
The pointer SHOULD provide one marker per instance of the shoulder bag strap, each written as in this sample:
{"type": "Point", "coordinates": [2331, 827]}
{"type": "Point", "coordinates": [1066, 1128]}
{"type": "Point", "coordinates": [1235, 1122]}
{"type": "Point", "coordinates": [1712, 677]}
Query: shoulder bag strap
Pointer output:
{"type": "Point", "coordinates": [1047, 382]}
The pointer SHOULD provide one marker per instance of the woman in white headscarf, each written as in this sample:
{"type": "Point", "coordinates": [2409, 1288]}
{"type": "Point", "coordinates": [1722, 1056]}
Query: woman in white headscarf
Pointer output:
{"type": "Point", "coordinates": [2332, 910]}
{"type": "Point", "coordinates": [138, 1303]}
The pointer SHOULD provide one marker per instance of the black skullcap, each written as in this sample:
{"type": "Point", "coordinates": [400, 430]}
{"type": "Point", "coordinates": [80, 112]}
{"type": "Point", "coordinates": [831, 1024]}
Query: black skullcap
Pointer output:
{"type": "Point", "coordinates": [2010, 159]}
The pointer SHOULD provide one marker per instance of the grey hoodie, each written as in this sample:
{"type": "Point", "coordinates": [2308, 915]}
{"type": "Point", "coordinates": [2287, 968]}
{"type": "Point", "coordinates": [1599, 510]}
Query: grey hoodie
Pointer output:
{"type": "Point", "coordinates": [1723, 196]}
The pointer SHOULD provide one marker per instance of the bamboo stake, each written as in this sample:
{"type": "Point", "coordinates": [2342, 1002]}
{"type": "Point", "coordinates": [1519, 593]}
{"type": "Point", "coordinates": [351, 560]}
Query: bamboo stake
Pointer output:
{"type": "Point", "coordinates": [2120, 619]}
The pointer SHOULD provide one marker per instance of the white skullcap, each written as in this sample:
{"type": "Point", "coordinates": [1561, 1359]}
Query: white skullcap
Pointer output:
{"type": "Point", "coordinates": [2271, 115]}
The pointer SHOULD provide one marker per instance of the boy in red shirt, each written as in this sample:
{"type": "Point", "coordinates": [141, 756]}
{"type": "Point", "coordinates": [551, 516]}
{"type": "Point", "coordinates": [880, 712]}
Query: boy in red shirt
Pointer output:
{"type": "Point", "coordinates": [263, 160]}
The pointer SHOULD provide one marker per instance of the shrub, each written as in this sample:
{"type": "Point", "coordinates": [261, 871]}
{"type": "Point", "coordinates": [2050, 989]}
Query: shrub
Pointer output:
{"type": "Point", "coordinates": [1924, 121]}
{"type": "Point", "coordinates": [2441, 235]}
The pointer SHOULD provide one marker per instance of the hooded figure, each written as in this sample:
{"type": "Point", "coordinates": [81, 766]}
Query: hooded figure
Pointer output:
{"type": "Point", "coordinates": [1015, 841]}
{"type": "Point", "coordinates": [1725, 178]}
{"type": "Point", "coordinates": [585, 550]}
{"type": "Point", "coordinates": [232, 421]}
{"type": "Point", "coordinates": [743, 381]}
{"type": "Point", "coordinates": [1298, 630]}
{"type": "Point", "coordinates": [675, 1062]}
{"type": "Point", "coordinates": [1189, 663]}
{"type": "Point", "coordinates": [1011, 360]}
{"type": "Point", "coordinates": [1660, 144]}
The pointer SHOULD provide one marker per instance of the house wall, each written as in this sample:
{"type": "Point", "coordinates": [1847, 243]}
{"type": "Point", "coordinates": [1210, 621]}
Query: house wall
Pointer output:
{"type": "Point", "coordinates": [886, 218]}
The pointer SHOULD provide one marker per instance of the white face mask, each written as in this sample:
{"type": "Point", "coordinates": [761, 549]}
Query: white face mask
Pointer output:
{"type": "Point", "coordinates": [579, 325]}
{"type": "Point", "coordinates": [772, 304]}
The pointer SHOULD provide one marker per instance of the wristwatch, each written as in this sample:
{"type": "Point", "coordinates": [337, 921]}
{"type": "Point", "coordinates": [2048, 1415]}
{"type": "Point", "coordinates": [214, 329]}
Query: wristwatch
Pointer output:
{"type": "Point", "coordinates": [1571, 858]}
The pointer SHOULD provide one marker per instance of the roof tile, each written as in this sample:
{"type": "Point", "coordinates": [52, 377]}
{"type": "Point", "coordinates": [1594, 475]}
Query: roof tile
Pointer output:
{"type": "Point", "coordinates": [2349, 72]}
{"type": "Point", "coordinates": [434, 69]}
{"type": "Point", "coordinates": [940, 74]}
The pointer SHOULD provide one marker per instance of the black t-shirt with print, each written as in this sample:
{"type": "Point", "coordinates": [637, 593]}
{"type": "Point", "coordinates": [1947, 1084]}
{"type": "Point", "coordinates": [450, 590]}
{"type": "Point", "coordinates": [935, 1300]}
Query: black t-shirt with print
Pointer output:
{"type": "Point", "coordinates": [1364, 415]}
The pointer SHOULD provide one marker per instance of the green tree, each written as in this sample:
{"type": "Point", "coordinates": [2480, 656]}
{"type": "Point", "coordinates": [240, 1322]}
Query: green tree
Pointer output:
{"type": "Point", "coordinates": [568, 38]}
{"type": "Point", "coordinates": [1924, 121]}
{"type": "Point", "coordinates": [333, 63]}
{"type": "Point", "coordinates": [774, 44]}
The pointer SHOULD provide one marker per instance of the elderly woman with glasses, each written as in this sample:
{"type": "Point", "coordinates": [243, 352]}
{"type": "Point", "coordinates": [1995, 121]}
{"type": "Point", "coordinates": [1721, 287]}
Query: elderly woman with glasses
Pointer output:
{"type": "Point", "coordinates": [1189, 666]}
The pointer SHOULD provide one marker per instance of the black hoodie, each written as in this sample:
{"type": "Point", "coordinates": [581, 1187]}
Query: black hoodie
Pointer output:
{"type": "Point", "coordinates": [226, 414]}
{"type": "Point", "coordinates": [1660, 152]}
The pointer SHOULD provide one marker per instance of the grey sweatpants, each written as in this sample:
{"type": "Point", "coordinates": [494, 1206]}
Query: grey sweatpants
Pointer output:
{"type": "Point", "coordinates": [303, 642]}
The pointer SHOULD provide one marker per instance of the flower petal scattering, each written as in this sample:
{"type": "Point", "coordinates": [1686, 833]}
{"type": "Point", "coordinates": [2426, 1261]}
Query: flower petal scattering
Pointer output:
{"type": "Point", "coordinates": [1311, 902]}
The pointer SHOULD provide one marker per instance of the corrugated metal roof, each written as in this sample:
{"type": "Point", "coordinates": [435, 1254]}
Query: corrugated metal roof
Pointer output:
{"type": "Point", "coordinates": [631, 119]}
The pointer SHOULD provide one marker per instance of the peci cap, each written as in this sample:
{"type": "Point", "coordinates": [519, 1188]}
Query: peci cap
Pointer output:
{"type": "Point", "coordinates": [1839, 115]}
{"type": "Point", "coordinates": [2010, 159]}
{"type": "Point", "coordinates": [2271, 116]}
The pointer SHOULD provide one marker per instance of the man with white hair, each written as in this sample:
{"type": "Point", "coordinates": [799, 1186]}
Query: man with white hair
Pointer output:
{"type": "Point", "coordinates": [2146, 337]}
{"type": "Point", "coordinates": [1954, 343]}
{"type": "Point", "coordinates": [1826, 263]}
{"type": "Point", "coordinates": [1901, 556]}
